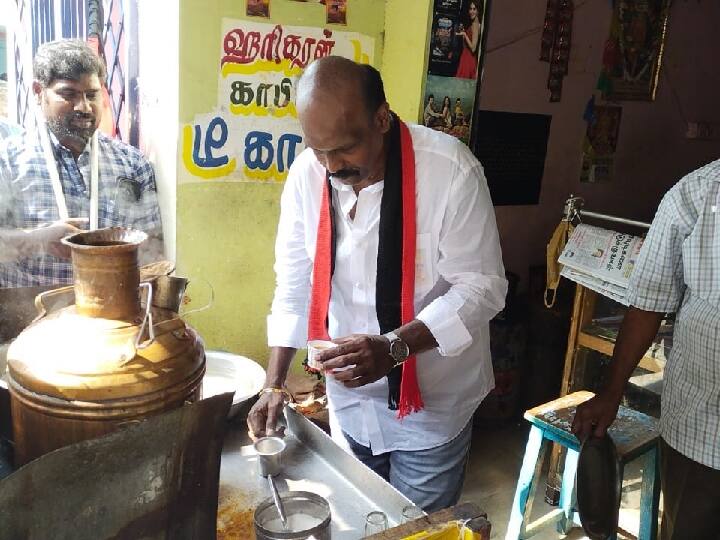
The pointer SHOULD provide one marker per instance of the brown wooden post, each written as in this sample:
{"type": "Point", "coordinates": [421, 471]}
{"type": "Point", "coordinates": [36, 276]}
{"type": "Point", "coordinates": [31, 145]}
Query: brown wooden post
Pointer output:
{"type": "Point", "coordinates": [582, 313]}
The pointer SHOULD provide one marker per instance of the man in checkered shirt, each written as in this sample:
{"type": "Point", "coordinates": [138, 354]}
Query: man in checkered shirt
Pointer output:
{"type": "Point", "coordinates": [678, 271]}
{"type": "Point", "coordinates": [68, 85]}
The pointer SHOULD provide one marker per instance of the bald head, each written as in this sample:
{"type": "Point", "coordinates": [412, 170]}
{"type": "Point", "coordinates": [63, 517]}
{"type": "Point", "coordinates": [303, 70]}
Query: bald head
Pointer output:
{"type": "Point", "coordinates": [344, 117]}
{"type": "Point", "coordinates": [342, 79]}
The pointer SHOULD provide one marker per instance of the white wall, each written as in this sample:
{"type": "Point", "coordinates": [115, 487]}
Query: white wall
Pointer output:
{"type": "Point", "coordinates": [159, 40]}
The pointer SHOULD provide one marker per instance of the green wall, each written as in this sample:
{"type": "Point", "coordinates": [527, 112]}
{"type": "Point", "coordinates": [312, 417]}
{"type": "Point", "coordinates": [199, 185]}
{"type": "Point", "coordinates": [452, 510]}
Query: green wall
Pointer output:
{"type": "Point", "coordinates": [226, 230]}
{"type": "Point", "coordinates": [404, 63]}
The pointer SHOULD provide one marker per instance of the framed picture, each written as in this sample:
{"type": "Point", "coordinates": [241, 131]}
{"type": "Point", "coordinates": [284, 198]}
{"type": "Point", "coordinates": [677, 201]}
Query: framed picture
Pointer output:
{"type": "Point", "coordinates": [633, 53]}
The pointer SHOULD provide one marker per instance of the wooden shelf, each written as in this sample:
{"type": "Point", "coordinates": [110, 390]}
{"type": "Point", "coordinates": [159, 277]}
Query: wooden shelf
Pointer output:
{"type": "Point", "coordinates": [606, 346]}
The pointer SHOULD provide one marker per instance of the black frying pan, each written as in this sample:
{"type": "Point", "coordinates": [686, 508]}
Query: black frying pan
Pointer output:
{"type": "Point", "coordinates": [599, 487]}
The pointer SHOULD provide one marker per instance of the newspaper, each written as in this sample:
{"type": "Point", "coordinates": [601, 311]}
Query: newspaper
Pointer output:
{"type": "Point", "coordinates": [601, 260]}
{"type": "Point", "coordinates": [612, 291]}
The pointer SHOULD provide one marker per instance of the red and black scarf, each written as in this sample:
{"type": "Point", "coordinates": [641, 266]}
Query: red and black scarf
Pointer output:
{"type": "Point", "coordinates": [395, 282]}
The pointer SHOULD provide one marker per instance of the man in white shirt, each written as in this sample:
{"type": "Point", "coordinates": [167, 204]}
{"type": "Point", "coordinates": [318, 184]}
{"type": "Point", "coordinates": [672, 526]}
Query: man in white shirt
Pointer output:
{"type": "Point", "coordinates": [404, 401]}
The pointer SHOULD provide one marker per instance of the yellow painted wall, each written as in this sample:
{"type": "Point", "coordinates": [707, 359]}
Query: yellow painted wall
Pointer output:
{"type": "Point", "coordinates": [404, 64]}
{"type": "Point", "coordinates": [226, 231]}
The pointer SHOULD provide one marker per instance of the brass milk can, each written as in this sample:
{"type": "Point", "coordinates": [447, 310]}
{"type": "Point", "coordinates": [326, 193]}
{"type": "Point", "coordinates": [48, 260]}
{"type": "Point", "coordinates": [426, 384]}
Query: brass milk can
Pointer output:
{"type": "Point", "coordinates": [104, 362]}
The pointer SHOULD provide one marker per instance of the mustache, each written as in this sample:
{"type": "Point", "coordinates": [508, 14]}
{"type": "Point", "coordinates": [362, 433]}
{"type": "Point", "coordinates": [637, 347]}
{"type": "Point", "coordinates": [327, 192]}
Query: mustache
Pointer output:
{"type": "Point", "coordinates": [343, 174]}
{"type": "Point", "coordinates": [80, 116]}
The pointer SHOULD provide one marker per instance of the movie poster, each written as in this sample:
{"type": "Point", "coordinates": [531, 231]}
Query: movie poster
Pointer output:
{"type": "Point", "coordinates": [444, 53]}
{"type": "Point", "coordinates": [600, 143]}
{"type": "Point", "coordinates": [454, 64]}
{"type": "Point", "coordinates": [336, 11]}
{"type": "Point", "coordinates": [448, 6]}
{"type": "Point", "coordinates": [633, 52]}
{"type": "Point", "coordinates": [448, 105]}
{"type": "Point", "coordinates": [258, 8]}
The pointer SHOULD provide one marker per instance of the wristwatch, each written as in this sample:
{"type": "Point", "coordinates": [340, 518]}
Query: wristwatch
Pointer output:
{"type": "Point", "coordinates": [399, 351]}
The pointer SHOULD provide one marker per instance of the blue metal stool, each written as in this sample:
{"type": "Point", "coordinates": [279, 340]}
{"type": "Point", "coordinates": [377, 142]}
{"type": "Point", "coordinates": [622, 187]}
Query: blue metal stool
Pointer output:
{"type": "Point", "coordinates": [635, 435]}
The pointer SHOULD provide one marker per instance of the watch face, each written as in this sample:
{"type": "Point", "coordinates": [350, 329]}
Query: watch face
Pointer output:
{"type": "Point", "coordinates": [399, 350]}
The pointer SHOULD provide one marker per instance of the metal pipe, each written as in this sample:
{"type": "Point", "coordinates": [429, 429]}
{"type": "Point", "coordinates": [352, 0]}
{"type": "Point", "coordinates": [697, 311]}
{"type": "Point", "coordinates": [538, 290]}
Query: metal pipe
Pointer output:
{"type": "Point", "coordinates": [606, 217]}
{"type": "Point", "coordinates": [573, 209]}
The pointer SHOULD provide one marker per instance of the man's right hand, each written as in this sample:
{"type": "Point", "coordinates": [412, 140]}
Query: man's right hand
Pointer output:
{"type": "Point", "coordinates": [594, 417]}
{"type": "Point", "coordinates": [636, 334]}
{"type": "Point", "coordinates": [262, 418]}
{"type": "Point", "coordinates": [47, 239]}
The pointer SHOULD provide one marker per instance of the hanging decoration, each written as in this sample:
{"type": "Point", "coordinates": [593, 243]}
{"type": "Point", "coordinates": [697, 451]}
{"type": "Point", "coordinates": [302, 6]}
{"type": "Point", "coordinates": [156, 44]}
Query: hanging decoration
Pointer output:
{"type": "Point", "coordinates": [555, 43]}
{"type": "Point", "coordinates": [633, 52]}
{"type": "Point", "coordinates": [549, 30]}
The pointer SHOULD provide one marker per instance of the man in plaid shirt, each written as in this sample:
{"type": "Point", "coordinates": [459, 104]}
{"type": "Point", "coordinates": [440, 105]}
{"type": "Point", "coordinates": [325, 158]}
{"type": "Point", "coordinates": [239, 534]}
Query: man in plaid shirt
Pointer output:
{"type": "Point", "coordinates": [68, 85]}
{"type": "Point", "coordinates": [678, 271]}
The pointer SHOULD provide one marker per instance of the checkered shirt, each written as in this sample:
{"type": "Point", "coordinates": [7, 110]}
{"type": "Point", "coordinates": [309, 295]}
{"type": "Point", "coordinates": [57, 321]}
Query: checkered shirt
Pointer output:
{"type": "Point", "coordinates": [8, 129]}
{"type": "Point", "coordinates": [678, 270]}
{"type": "Point", "coordinates": [127, 197]}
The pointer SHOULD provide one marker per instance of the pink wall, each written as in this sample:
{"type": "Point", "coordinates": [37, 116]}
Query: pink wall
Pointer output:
{"type": "Point", "coordinates": [652, 151]}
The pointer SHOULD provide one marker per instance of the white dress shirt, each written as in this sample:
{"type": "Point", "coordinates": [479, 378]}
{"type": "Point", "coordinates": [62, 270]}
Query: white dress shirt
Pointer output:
{"type": "Point", "coordinates": [459, 286]}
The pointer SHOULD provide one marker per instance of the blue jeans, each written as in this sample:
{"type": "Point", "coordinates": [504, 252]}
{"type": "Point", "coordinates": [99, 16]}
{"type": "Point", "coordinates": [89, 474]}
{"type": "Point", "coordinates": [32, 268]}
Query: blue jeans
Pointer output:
{"type": "Point", "coordinates": [432, 479]}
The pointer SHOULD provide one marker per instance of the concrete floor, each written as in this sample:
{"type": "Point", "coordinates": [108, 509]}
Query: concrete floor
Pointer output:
{"type": "Point", "coordinates": [495, 459]}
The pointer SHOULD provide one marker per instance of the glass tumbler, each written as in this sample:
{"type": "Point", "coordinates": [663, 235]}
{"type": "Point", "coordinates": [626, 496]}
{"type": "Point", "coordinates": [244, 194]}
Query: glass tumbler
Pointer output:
{"type": "Point", "coordinates": [375, 522]}
{"type": "Point", "coordinates": [411, 513]}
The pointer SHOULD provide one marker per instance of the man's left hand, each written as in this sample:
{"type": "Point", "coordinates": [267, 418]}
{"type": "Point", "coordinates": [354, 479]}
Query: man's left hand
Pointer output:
{"type": "Point", "coordinates": [361, 358]}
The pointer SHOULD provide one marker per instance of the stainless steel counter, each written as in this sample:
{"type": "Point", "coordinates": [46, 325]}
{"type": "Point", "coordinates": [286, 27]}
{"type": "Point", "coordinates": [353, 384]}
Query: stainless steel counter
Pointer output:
{"type": "Point", "coordinates": [311, 462]}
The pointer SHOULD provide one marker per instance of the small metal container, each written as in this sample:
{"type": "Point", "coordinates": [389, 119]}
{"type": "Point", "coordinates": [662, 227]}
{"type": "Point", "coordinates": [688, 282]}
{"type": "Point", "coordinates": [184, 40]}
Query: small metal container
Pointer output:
{"type": "Point", "coordinates": [308, 516]}
{"type": "Point", "coordinates": [169, 292]}
{"type": "Point", "coordinates": [269, 451]}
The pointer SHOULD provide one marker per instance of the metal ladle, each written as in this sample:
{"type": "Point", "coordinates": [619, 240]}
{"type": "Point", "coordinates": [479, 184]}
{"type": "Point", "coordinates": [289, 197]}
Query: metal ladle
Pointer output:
{"type": "Point", "coordinates": [269, 450]}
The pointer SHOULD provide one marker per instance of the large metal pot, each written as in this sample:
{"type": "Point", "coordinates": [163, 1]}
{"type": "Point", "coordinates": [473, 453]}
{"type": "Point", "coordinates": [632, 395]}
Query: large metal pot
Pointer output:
{"type": "Point", "coordinates": [104, 362]}
{"type": "Point", "coordinates": [16, 312]}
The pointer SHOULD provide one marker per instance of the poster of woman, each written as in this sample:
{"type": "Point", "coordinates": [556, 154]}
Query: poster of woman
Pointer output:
{"type": "Point", "coordinates": [470, 32]}
{"type": "Point", "coordinates": [456, 38]}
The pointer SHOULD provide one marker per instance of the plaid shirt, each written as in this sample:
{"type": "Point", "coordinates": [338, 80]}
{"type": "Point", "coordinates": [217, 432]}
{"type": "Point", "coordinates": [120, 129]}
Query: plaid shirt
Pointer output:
{"type": "Point", "coordinates": [127, 197]}
{"type": "Point", "coordinates": [678, 270]}
{"type": "Point", "coordinates": [7, 129]}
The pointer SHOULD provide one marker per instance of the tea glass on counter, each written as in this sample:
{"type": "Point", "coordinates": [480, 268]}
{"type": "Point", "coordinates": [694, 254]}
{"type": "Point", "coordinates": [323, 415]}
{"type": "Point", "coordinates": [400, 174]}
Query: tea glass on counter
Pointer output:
{"type": "Point", "coordinates": [375, 522]}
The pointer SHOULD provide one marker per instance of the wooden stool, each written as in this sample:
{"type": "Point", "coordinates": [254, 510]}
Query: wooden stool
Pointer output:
{"type": "Point", "coordinates": [635, 435]}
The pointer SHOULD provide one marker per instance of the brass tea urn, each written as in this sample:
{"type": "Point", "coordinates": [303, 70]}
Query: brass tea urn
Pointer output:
{"type": "Point", "coordinates": [104, 362]}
